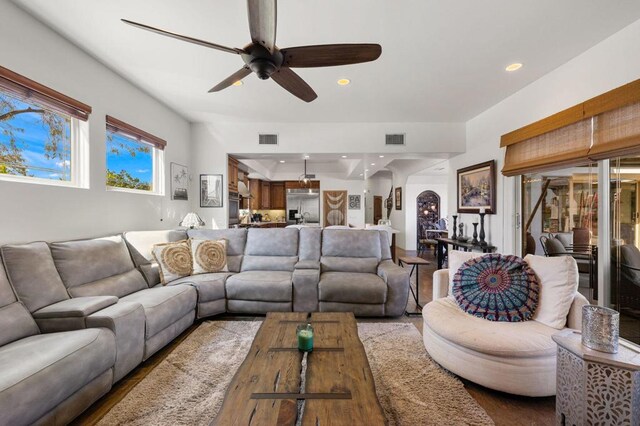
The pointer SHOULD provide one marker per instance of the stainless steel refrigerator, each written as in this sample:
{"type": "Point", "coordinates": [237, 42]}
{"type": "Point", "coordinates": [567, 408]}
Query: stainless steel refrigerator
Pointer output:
{"type": "Point", "coordinates": [303, 206]}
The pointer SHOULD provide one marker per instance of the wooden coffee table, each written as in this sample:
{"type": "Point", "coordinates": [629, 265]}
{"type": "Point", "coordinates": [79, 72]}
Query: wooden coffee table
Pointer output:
{"type": "Point", "coordinates": [339, 387]}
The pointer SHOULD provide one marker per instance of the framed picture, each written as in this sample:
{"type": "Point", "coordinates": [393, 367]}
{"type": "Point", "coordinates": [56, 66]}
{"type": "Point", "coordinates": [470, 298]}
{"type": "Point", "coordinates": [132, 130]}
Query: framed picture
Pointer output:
{"type": "Point", "coordinates": [211, 193]}
{"type": "Point", "coordinates": [354, 202]}
{"type": "Point", "coordinates": [477, 188]}
{"type": "Point", "coordinates": [399, 198]}
{"type": "Point", "coordinates": [179, 182]}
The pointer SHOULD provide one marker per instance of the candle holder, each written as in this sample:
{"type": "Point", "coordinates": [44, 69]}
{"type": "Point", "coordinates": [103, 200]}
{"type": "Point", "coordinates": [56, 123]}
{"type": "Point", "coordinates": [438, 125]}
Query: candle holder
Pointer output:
{"type": "Point", "coordinates": [475, 233]}
{"type": "Point", "coordinates": [482, 242]}
{"type": "Point", "coordinates": [305, 337]}
{"type": "Point", "coordinates": [600, 328]}
{"type": "Point", "coordinates": [455, 218]}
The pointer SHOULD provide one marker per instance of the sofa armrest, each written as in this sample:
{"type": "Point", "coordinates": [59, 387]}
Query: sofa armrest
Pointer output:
{"type": "Point", "coordinates": [440, 283]}
{"type": "Point", "coordinates": [307, 264]}
{"type": "Point", "coordinates": [76, 307]}
{"type": "Point", "coordinates": [397, 280]}
{"type": "Point", "coordinates": [574, 318]}
{"type": "Point", "coordinates": [127, 321]}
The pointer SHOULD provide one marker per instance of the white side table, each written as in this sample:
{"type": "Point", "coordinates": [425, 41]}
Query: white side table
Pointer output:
{"type": "Point", "coordinates": [596, 388]}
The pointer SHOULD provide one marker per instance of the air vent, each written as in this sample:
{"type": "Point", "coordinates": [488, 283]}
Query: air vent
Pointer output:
{"type": "Point", "coordinates": [394, 139]}
{"type": "Point", "coordinates": [265, 139]}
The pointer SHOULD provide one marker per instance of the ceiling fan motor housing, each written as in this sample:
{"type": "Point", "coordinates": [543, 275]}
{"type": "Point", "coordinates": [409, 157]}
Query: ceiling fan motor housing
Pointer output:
{"type": "Point", "coordinates": [261, 61]}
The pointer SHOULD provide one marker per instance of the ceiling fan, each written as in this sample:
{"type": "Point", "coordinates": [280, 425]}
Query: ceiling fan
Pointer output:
{"type": "Point", "coordinates": [264, 58]}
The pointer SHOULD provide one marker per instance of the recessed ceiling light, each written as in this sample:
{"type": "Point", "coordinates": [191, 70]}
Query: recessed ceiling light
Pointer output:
{"type": "Point", "coordinates": [373, 164]}
{"type": "Point", "coordinates": [238, 83]}
{"type": "Point", "coordinates": [513, 67]}
{"type": "Point", "coordinates": [344, 156]}
{"type": "Point", "coordinates": [366, 170]}
{"type": "Point", "coordinates": [382, 156]}
{"type": "Point", "coordinates": [361, 174]}
{"type": "Point", "coordinates": [306, 156]}
{"type": "Point", "coordinates": [282, 161]}
{"type": "Point", "coordinates": [344, 81]}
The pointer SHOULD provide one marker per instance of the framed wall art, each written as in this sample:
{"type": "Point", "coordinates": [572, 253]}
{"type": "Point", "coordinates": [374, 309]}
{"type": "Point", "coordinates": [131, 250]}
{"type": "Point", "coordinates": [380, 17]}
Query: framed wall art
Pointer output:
{"type": "Point", "coordinates": [179, 182]}
{"type": "Point", "coordinates": [211, 193]}
{"type": "Point", "coordinates": [477, 188]}
{"type": "Point", "coordinates": [354, 202]}
{"type": "Point", "coordinates": [399, 198]}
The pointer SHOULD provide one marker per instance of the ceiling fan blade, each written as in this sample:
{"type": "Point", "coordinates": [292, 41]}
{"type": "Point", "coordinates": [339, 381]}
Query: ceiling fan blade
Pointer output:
{"type": "Point", "coordinates": [236, 76]}
{"type": "Point", "coordinates": [184, 38]}
{"type": "Point", "coordinates": [262, 22]}
{"type": "Point", "coordinates": [292, 82]}
{"type": "Point", "coordinates": [329, 55]}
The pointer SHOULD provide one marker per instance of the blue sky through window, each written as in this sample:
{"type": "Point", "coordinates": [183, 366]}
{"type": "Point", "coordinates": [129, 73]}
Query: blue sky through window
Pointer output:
{"type": "Point", "coordinates": [139, 166]}
{"type": "Point", "coordinates": [31, 135]}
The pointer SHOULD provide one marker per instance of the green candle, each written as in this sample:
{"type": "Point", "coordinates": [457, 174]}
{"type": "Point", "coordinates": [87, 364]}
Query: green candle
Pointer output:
{"type": "Point", "coordinates": [305, 338]}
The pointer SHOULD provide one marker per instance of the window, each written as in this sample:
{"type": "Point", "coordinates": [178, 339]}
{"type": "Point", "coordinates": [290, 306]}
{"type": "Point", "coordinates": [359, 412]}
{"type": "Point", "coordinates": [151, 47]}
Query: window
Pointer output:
{"type": "Point", "coordinates": [42, 133]}
{"type": "Point", "coordinates": [134, 159]}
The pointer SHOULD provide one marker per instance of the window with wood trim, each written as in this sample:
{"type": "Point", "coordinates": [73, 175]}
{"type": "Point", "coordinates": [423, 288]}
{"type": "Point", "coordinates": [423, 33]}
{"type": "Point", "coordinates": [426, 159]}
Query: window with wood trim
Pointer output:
{"type": "Point", "coordinates": [134, 159]}
{"type": "Point", "coordinates": [43, 134]}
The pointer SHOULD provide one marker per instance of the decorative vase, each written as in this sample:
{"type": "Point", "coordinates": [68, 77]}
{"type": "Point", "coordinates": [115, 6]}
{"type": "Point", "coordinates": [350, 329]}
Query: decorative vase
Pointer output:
{"type": "Point", "coordinates": [482, 242]}
{"type": "Point", "coordinates": [475, 233]}
{"type": "Point", "coordinates": [600, 328]}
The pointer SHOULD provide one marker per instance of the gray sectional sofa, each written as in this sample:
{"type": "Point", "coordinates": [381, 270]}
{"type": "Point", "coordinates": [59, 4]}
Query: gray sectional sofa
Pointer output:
{"type": "Point", "coordinates": [77, 316]}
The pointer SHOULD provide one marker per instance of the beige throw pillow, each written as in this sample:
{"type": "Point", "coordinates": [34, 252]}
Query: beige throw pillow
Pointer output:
{"type": "Point", "coordinates": [174, 260]}
{"type": "Point", "coordinates": [209, 256]}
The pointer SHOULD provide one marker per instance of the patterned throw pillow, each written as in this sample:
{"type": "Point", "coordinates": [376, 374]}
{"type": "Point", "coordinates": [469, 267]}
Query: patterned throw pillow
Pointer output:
{"type": "Point", "coordinates": [209, 256]}
{"type": "Point", "coordinates": [174, 260]}
{"type": "Point", "coordinates": [497, 288]}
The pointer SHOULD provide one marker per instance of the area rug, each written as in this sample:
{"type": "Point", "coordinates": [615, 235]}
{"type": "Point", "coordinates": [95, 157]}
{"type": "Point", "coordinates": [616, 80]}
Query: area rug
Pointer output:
{"type": "Point", "coordinates": [188, 386]}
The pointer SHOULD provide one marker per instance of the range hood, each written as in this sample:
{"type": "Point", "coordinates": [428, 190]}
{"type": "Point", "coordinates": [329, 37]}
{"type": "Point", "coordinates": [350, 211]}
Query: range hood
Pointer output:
{"type": "Point", "coordinates": [243, 190]}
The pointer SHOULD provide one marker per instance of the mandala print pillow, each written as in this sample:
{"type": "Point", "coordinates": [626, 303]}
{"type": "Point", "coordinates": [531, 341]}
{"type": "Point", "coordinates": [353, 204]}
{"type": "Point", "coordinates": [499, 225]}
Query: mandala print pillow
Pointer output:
{"type": "Point", "coordinates": [209, 256]}
{"type": "Point", "coordinates": [497, 288]}
{"type": "Point", "coordinates": [174, 260]}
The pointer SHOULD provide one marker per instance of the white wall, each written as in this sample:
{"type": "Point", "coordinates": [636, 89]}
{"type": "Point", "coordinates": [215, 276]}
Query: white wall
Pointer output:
{"type": "Point", "coordinates": [35, 212]}
{"type": "Point", "coordinates": [605, 66]}
{"type": "Point", "coordinates": [416, 184]}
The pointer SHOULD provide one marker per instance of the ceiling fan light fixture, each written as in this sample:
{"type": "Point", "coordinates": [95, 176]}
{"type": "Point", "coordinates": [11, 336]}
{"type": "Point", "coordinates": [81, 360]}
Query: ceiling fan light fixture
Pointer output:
{"type": "Point", "coordinates": [513, 67]}
{"type": "Point", "coordinates": [344, 82]}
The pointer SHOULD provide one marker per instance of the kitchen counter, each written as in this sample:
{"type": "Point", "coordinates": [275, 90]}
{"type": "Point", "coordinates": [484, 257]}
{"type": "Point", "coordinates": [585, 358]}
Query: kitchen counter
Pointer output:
{"type": "Point", "coordinates": [263, 225]}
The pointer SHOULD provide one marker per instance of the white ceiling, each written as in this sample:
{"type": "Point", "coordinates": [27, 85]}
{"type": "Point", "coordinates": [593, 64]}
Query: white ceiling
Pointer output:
{"type": "Point", "coordinates": [442, 61]}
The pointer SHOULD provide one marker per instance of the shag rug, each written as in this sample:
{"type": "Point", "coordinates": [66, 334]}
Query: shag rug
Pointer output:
{"type": "Point", "coordinates": [188, 386]}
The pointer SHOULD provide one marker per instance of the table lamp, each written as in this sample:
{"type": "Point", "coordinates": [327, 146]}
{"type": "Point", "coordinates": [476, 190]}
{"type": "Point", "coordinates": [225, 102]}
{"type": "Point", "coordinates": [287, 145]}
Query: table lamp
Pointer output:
{"type": "Point", "coordinates": [192, 220]}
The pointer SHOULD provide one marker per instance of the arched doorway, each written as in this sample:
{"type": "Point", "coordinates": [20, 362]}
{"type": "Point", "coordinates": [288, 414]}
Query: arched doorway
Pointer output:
{"type": "Point", "coordinates": [427, 213]}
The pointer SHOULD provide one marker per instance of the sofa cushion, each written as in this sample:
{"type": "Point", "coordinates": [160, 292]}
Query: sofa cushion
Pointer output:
{"type": "Point", "coordinates": [15, 320]}
{"type": "Point", "coordinates": [272, 242]}
{"type": "Point", "coordinates": [310, 243]}
{"type": "Point", "coordinates": [558, 286]}
{"type": "Point", "coordinates": [349, 264]}
{"type": "Point", "coordinates": [266, 286]}
{"type": "Point", "coordinates": [269, 263]}
{"type": "Point", "coordinates": [208, 256]}
{"type": "Point", "coordinates": [210, 286]}
{"type": "Point", "coordinates": [352, 287]}
{"type": "Point", "coordinates": [351, 243]}
{"type": "Point", "coordinates": [174, 260]}
{"type": "Point", "coordinates": [33, 274]}
{"type": "Point", "coordinates": [117, 285]}
{"type": "Point", "coordinates": [497, 287]}
{"type": "Point", "coordinates": [85, 261]}
{"type": "Point", "coordinates": [505, 339]}
{"type": "Point", "coordinates": [163, 306]}
{"type": "Point", "coordinates": [40, 372]}
{"type": "Point", "coordinates": [236, 241]}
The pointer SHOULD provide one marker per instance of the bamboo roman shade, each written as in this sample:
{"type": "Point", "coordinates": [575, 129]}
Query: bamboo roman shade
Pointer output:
{"type": "Point", "coordinates": [117, 126]}
{"type": "Point", "coordinates": [33, 92]}
{"type": "Point", "coordinates": [606, 126]}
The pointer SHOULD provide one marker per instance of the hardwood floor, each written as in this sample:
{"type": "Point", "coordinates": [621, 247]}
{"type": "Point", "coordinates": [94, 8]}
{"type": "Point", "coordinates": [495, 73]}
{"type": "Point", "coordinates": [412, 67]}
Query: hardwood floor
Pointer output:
{"type": "Point", "coordinates": [503, 408]}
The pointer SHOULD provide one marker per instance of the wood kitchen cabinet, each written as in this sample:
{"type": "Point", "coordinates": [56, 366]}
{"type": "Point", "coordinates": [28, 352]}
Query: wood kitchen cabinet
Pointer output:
{"type": "Point", "coordinates": [278, 196]}
{"type": "Point", "coordinates": [233, 174]}
{"type": "Point", "coordinates": [255, 188]}
{"type": "Point", "coordinates": [265, 196]}
{"type": "Point", "coordinates": [294, 184]}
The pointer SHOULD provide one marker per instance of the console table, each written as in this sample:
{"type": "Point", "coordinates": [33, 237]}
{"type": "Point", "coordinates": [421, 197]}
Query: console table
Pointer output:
{"type": "Point", "coordinates": [443, 243]}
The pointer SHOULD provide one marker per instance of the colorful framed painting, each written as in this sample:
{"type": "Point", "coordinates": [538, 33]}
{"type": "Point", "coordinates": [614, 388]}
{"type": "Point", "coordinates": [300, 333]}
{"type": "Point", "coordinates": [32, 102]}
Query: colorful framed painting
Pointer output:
{"type": "Point", "coordinates": [477, 188]}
